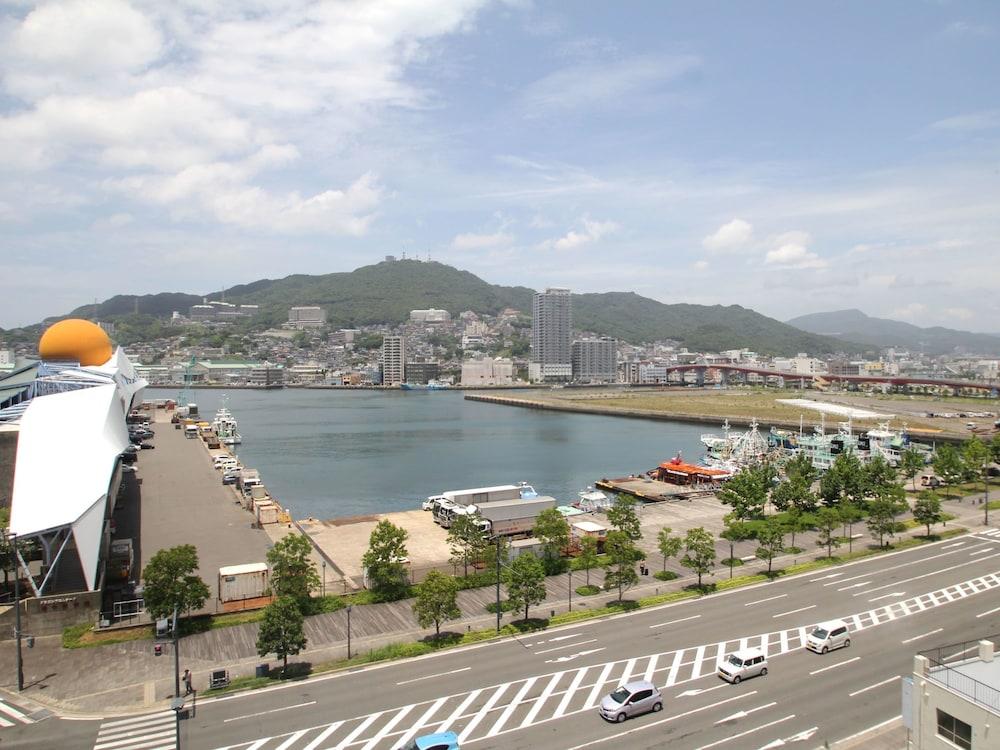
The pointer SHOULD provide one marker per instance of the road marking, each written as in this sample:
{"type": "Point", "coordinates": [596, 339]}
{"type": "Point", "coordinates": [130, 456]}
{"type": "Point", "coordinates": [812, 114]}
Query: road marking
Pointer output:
{"type": "Point", "coordinates": [599, 685]}
{"type": "Point", "coordinates": [295, 738]}
{"type": "Point", "coordinates": [674, 622]}
{"type": "Point", "coordinates": [458, 711]}
{"type": "Point", "coordinates": [432, 676]}
{"type": "Point", "coordinates": [663, 721]}
{"type": "Point", "coordinates": [550, 650]}
{"type": "Point", "coordinates": [783, 635]}
{"type": "Point", "coordinates": [5, 723]}
{"type": "Point", "coordinates": [822, 578]}
{"type": "Point", "coordinates": [481, 714]}
{"type": "Point", "coordinates": [651, 668]}
{"type": "Point", "coordinates": [570, 692]}
{"type": "Point", "coordinates": [794, 611]}
{"type": "Point", "coordinates": [922, 635]}
{"type": "Point", "coordinates": [674, 668]}
{"type": "Point", "coordinates": [936, 572]}
{"type": "Point", "coordinates": [349, 739]}
{"type": "Point", "coordinates": [846, 740]}
{"type": "Point", "coordinates": [540, 701]}
{"type": "Point", "coordinates": [745, 733]}
{"type": "Point", "coordinates": [571, 657]}
{"type": "Point", "coordinates": [888, 596]}
{"type": "Point", "coordinates": [834, 666]}
{"type": "Point", "coordinates": [699, 656]}
{"type": "Point", "coordinates": [872, 687]}
{"type": "Point", "coordinates": [955, 544]}
{"type": "Point", "coordinates": [979, 551]}
{"type": "Point", "coordinates": [989, 612]}
{"type": "Point", "coordinates": [699, 691]}
{"type": "Point", "coordinates": [269, 711]}
{"type": "Point", "coordinates": [323, 735]}
{"type": "Point", "coordinates": [511, 707]}
{"type": "Point", "coordinates": [854, 585]}
{"type": "Point", "coordinates": [744, 714]}
{"type": "Point", "coordinates": [148, 738]}
{"type": "Point", "coordinates": [769, 599]}
{"type": "Point", "coordinates": [11, 711]}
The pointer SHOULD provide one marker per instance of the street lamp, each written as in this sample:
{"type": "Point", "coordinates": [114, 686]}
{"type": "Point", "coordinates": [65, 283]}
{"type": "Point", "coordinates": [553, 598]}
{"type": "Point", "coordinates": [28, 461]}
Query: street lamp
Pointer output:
{"type": "Point", "coordinates": [324, 578]}
{"type": "Point", "coordinates": [17, 612]}
{"type": "Point", "coordinates": [348, 631]}
{"type": "Point", "coordinates": [570, 571]}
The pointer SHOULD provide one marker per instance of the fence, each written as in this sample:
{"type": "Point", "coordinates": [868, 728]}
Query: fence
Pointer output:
{"type": "Point", "coordinates": [945, 669]}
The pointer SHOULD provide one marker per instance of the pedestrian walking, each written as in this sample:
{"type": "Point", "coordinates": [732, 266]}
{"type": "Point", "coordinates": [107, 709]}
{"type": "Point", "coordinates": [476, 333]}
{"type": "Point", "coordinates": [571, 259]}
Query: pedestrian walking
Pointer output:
{"type": "Point", "coordinates": [187, 682]}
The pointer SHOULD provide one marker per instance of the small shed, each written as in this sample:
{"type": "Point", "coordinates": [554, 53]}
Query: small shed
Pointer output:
{"type": "Point", "coordinates": [239, 582]}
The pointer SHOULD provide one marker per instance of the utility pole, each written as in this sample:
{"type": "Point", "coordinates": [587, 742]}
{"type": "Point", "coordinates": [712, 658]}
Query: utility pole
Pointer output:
{"type": "Point", "coordinates": [570, 571]}
{"type": "Point", "coordinates": [178, 701]}
{"type": "Point", "coordinates": [498, 584]}
{"type": "Point", "coordinates": [17, 612]}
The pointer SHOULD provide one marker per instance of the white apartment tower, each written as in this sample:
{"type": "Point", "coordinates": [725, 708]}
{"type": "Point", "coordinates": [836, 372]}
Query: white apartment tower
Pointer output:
{"type": "Point", "coordinates": [393, 357]}
{"type": "Point", "coordinates": [551, 330]}
{"type": "Point", "coordinates": [307, 316]}
{"type": "Point", "coordinates": [595, 360]}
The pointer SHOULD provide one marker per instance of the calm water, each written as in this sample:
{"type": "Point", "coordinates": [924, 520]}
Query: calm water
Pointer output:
{"type": "Point", "coordinates": [330, 453]}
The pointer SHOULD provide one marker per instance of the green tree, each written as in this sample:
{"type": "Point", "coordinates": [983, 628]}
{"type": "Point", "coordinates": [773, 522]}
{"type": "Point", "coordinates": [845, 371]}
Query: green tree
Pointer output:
{"type": "Point", "coordinates": [976, 459]}
{"type": "Point", "coordinates": [384, 562]}
{"type": "Point", "coordinates": [668, 545]}
{"type": "Point", "coordinates": [995, 448]}
{"type": "Point", "coordinates": [801, 468]}
{"type": "Point", "coordinates": [844, 481]}
{"type": "Point", "coordinates": [795, 522]}
{"type": "Point", "coordinates": [745, 492]}
{"type": "Point", "coordinates": [771, 541]}
{"type": "Point", "coordinates": [878, 475]}
{"type": "Point", "coordinates": [735, 531]}
{"type": "Point", "coordinates": [882, 519]}
{"type": "Point", "coordinates": [623, 517]}
{"type": "Point", "coordinates": [948, 464]}
{"type": "Point", "coordinates": [552, 529]}
{"type": "Point", "coordinates": [927, 510]}
{"type": "Point", "coordinates": [437, 601]}
{"type": "Point", "coordinates": [588, 559]}
{"type": "Point", "coordinates": [849, 514]}
{"type": "Point", "coordinates": [525, 582]}
{"type": "Point", "coordinates": [281, 630]}
{"type": "Point", "coordinates": [293, 573]}
{"type": "Point", "coordinates": [793, 493]}
{"type": "Point", "coordinates": [169, 581]}
{"type": "Point", "coordinates": [911, 463]}
{"type": "Point", "coordinates": [828, 519]}
{"type": "Point", "coordinates": [699, 551]}
{"type": "Point", "coordinates": [619, 572]}
{"type": "Point", "coordinates": [466, 539]}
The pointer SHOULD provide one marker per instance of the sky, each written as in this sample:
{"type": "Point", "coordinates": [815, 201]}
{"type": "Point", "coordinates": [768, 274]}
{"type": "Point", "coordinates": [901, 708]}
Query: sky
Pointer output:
{"type": "Point", "coordinates": [788, 157]}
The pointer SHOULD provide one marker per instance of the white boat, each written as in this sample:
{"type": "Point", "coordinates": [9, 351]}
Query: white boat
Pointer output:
{"type": "Point", "coordinates": [225, 426]}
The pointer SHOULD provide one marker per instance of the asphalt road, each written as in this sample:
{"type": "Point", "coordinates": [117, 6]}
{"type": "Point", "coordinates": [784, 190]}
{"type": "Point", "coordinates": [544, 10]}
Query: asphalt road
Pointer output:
{"type": "Point", "coordinates": [541, 691]}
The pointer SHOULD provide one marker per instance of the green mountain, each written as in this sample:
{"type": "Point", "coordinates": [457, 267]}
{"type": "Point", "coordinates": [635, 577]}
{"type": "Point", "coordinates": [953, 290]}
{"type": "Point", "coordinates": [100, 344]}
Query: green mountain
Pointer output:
{"type": "Point", "coordinates": [385, 293]}
{"type": "Point", "coordinates": [854, 325]}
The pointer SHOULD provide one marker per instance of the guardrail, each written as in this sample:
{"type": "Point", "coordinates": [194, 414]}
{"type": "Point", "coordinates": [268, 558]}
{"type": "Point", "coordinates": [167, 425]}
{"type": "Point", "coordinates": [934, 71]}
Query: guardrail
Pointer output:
{"type": "Point", "coordinates": [944, 663]}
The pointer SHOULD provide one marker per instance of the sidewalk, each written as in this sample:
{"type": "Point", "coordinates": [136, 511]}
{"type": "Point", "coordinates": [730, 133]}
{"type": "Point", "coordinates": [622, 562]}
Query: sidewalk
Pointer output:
{"type": "Point", "coordinates": [128, 677]}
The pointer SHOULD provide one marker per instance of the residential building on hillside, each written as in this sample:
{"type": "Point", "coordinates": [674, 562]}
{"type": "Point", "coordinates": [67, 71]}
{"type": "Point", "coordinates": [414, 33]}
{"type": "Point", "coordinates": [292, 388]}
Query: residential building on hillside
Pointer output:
{"type": "Point", "coordinates": [421, 372]}
{"type": "Point", "coordinates": [307, 317]}
{"type": "Point", "coordinates": [595, 359]}
{"type": "Point", "coordinates": [802, 364]}
{"type": "Point", "coordinates": [343, 337]}
{"type": "Point", "coordinates": [393, 358]}
{"type": "Point", "coordinates": [430, 316]}
{"type": "Point", "coordinates": [551, 335]}
{"type": "Point", "coordinates": [485, 372]}
{"type": "Point", "coordinates": [221, 312]}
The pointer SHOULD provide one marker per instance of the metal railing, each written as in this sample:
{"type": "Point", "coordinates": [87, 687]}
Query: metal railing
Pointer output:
{"type": "Point", "coordinates": [944, 669]}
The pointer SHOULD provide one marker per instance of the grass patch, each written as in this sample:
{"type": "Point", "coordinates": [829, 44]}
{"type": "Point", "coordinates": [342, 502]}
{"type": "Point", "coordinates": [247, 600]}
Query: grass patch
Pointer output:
{"type": "Point", "coordinates": [793, 550]}
{"type": "Point", "coordinates": [505, 606]}
{"type": "Point", "coordinates": [84, 636]}
{"type": "Point", "coordinates": [602, 560]}
{"type": "Point", "coordinates": [665, 575]}
{"type": "Point", "coordinates": [734, 561]}
{"type": "Point", "coordinates": [587, 590]}
{"type": "Point", "coordinates": [738, 581]}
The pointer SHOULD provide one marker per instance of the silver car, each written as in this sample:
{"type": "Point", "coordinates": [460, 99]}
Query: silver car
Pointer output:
{"type": "Point", "coordinates": [631, 700]}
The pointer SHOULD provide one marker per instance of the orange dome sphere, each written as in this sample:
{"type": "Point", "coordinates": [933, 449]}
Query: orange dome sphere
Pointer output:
{"type": "Point", "coordinates": [77, 340]}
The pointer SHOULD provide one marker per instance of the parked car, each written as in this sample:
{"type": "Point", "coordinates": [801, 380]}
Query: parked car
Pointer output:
{"type": "Point", "coordinates": [230, 478]}
{"type": "Point", "coordinates": [128, 457]}
{"type": "Point", "coordinates": [632, 699]}
{"type": "Point", "coordinates": [440, 741]}
{"type": "Point", "coordinates": [147, 446]}
{"type": "Point", "coordinates": [748, 662]}
{"type": "Point", "coordinates": [829, 635]}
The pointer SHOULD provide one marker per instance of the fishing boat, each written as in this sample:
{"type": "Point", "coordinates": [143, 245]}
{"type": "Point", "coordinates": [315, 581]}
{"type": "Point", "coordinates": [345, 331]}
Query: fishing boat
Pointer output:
{"type": "Point", "coordinates": [225, 426]}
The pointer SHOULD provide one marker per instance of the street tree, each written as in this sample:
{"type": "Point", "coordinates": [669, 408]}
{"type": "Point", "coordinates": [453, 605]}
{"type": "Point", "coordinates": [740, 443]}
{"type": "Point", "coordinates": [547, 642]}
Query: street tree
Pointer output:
{"type": "Point", "coordinates": [849, 514]}
{"type": "Point", "coordinates": [293, 573]}
{"type": "Point", "coordinates": [801, 467]}
{"type": "Point", "coordinates": [623, 517]}
{"type": "Point", "coordinates": [828, 520]}
{"type": "Point", "coordinates": [699, 551]}
{"type": "Point", "coordinates": [995, 448]}
{"type": "Point", "coordinates": [844, 481]}
{"type": "Point", "coordinates": [281, 630]}
{"type": "Point", "coordinates": [619, 572]}
{"type": "Point", "coordinates": [169, 581]}
{"type": "Point", "coordinates": [466, 539]}
{"type": "Point", "coordinates": [588, 558]}
{"type": "Point", "coordinates": [384, 562]}
{"type": "Point", "coordinates": [976, 459]}
{"type": "Point", "coordinates": [882, 519]}
{"type": "Point", "coordinates": [878, 475]}
{"type": "Point", "coordinates": [795, 522]}
{"type": "Point", "coordinates": [525, 582]}
{"type": "Point", "coordinates": [948, 464]}
{"type": "Point", "coordinates": [735, 531]}
{"type": "Point", "coordinates": [745, 492]}
{"type": "Point", "coordinates": [911, 463]}
{"type": "Point", "coordinates": [927, 510]}
{"type": "Point", "coordinates": [552, 530]}
{"type": "Point", "coordinates": [668, 545]}
{"type": "Point", "coordinates": [770, 541]}
{"type": "Point", "coordinates": [436, 601]}
{"type": "Point", "coordinates": [794, 493]}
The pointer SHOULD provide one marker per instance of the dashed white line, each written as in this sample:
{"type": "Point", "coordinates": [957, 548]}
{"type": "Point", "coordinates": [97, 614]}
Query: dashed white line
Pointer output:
{"type": "Point", "coordinates": [270, 711]}
{"type": "Point", "coordinates": [769, 599]}
{"type": "Point", "coordinates": [432, 676]}
{"type": "Point", "coordinates": [854, 586]}
{"type": "Point", "coordinates": [922, 635]}
{"type": "Point", "coordinates": [559, 648]}
{"type": "Point", "coordinates": [674, 622]}
{"type": "Point", "coordinates": [745, 733]}
{"type": "Point", "coordinates": [794, 611]}
{"type": "Point", "coordinates": [988, 612]}
{"type": "Point", "coordinates": [872, 687]}
{"type": "Point", "coordinates": [888, 596]}
{"type": "Point", "coordinates": [834, 666]}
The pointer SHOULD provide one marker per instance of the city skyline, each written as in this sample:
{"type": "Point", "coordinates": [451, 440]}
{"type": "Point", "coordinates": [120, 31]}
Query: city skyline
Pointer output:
{"type": "Point", "coordinates": [781, 157]}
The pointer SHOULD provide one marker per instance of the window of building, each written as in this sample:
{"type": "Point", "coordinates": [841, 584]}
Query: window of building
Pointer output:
{"type": "Point", "coordinates": [954, 730]}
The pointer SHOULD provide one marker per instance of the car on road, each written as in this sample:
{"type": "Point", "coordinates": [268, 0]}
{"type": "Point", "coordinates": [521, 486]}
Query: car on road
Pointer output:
{"type": "Point", "coordinates": [739, 665]}
{"type": "Point", "coordinates": [439, 741]}
{"type": "Point", "coordinates": [829, 635]}
{"type": "Point", "coordinates": [631, 699]}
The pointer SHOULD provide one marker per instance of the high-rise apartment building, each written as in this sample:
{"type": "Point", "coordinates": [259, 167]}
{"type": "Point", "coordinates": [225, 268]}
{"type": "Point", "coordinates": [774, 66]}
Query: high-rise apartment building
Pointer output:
{"type": "Point", "coordinates": [551, 329]}
{"type": "Point", "coordinates": [393, 357]}
{"type": "Point", "coordinates": [307, 317]}
{"type": "Point", "coordinates": [595, 360]}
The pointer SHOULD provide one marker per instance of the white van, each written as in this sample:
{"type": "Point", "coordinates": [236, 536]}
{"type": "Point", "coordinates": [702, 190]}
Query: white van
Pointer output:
{"type": "Point", "coordinates": [225, 462]}
{"type": "Point", "coordinates": [829, 635]}
{"type": "Point", "coordinates": [747, 662]}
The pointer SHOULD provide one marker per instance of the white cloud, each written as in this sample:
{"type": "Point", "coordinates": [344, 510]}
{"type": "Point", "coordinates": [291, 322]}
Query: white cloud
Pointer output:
{"type": "Point", "coordinates": [970, 122]}
{"type": "Point", "coordinates": [791, 252]}
{"type": "Point", "coordinates": [911, 311]}
{"type": "Point", "coordinates": [729, 237]}
{"type": "Point", "coordinates": [592, 232]}
{"type": "Point", "coordinates": [472, 241]}
{"type": "Point", "coordinates": [959, 313]}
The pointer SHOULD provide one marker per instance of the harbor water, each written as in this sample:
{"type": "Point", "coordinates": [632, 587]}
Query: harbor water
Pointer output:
{"type": "Point", "coordinates": [335, 453]}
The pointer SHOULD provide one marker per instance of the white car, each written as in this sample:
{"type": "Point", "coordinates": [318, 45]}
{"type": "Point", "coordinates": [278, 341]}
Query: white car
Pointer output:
{"type": "Point", "coordinates": [829, 635]}
{"type": "Point", "coordinates": [748, 662]}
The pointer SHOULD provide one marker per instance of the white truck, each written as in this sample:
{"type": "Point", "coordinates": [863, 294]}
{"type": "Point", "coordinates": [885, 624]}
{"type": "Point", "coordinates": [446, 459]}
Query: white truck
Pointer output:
{"type": "Point", "coordinates": [448, 504]}
{"type": "Point", "coordinates": [513, 517]}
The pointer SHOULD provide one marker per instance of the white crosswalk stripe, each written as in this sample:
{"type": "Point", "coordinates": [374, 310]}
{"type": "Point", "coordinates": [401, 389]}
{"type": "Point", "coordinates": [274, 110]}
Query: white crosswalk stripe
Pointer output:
{"type": "Point", "coordinates": [12, 715]}
{"type": "Point", "coordinates": [502, 708]}
{"type": "Point", "coordinates": [149, 732]}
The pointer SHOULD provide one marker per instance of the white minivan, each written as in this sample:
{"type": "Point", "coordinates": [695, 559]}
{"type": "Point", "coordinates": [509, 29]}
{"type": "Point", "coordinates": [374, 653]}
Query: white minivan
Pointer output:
{"type": "Point", "coordinates": [829, 635]}
{"type": "Point", "coordinates": [748, 662]}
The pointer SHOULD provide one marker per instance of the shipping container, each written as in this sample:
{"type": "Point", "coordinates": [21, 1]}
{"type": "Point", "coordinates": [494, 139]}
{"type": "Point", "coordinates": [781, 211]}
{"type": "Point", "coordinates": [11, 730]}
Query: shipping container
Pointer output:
{"type": "Point", "coordinates": [258, 491]}
{"type": "Point", "coordinates": [510, 517]}
{"type": "Point", "coordinates": [237, 582]}
{"type": "Point", "coordinates": [266, 511]}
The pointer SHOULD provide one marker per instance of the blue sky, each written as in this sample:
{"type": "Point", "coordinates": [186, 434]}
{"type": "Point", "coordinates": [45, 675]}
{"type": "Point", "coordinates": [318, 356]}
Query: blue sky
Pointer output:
{"type": "Point", "coordinates": [790, 157]}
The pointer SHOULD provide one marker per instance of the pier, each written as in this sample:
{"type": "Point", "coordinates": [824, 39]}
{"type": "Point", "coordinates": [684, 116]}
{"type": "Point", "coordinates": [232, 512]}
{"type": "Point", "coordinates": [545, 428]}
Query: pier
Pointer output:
{"type": "Point", "coordinates": [652, 490]}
